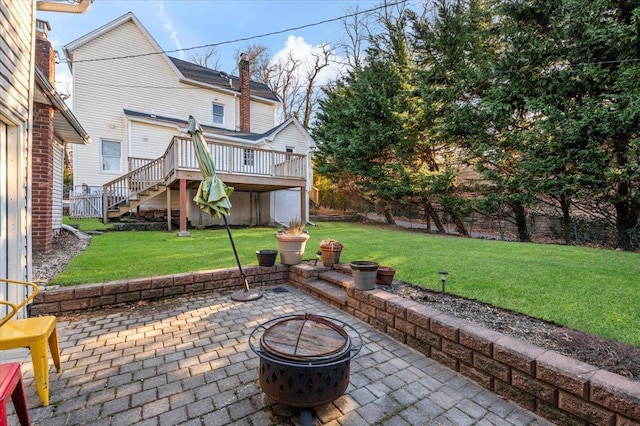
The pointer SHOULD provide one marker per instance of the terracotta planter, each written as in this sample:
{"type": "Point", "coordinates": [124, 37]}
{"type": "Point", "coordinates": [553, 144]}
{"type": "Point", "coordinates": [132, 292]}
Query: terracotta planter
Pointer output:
{"type": "Point", "coordinates": [385, 275]}
{"type": "Point", "coordinates": [266, 257]}
{"type": "Point", "coordinates": [291, 247]}
{"type": "Point", "coordinates": [364, 274]}
{"type": "Point", "coordinates": [331, 251]}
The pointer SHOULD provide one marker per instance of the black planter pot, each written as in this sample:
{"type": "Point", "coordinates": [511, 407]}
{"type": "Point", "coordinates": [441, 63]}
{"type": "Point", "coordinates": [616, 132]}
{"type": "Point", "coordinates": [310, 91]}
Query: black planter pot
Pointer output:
{"type": "Point", "coordinates": [266, 257]}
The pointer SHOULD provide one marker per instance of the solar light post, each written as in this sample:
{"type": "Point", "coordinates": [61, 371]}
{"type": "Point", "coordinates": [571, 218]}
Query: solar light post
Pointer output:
{"type": "Point", "coordinates": [443, 278]}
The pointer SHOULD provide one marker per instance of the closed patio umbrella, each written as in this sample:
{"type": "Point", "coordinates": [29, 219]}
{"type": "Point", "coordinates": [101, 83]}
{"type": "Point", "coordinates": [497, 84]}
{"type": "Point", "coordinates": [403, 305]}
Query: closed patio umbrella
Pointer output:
{"type": "Point", "coordinates": [213, 198]}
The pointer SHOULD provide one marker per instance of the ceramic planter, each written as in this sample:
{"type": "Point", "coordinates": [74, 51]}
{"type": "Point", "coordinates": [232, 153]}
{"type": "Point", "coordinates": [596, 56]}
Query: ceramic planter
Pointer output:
{"type": "Point", "coordinates": [291, 247]}
{"type": "Point", "coordinates": [331, 250]}
{"type": "Point", "coordinates": [266, 257]}
{"type": "Point", "coordinates": [385, 275]}
{"type": "Point", "coordinates": [364, 274]}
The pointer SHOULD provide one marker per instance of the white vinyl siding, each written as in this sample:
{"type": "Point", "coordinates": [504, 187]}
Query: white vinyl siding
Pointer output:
{"type": "Point", "coordinates": [16, 72]}
{"type": "Point", "coordinates": [58, 175]}
{"type": "Point", "coordinates": [148, 140]}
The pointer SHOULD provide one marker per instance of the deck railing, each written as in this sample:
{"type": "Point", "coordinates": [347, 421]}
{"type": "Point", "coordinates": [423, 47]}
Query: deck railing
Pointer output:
{"type": "Point", "coordinates": [233, 159]}
{"type": "Point", "coordinates": [180, 155]}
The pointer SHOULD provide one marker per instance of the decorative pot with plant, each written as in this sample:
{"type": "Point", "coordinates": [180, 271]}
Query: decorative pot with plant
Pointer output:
{"type": "Point", "coordinates": [385, 275]}
{"type": "Point", "coordinates": [292, 241]}
{"type": "Point", "coordinates": [364, 274]}
{"type": "Point", "coordinates": [330, 250]}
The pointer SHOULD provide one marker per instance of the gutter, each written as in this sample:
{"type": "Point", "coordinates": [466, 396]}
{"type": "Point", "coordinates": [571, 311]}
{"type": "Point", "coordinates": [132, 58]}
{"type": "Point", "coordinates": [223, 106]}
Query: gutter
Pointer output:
{"type": "Point", "coordinates": [77, 6]}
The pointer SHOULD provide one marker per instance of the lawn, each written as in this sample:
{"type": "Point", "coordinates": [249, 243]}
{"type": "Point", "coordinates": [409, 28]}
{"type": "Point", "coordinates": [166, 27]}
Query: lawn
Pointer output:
{"type": "Point", "coordinates": [593, 290]}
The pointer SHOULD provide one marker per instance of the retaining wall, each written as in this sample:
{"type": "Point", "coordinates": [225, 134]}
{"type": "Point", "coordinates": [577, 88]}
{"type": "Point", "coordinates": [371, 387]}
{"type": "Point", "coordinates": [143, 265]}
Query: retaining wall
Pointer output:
{"type": "Point", "coordinates": [556, 387]}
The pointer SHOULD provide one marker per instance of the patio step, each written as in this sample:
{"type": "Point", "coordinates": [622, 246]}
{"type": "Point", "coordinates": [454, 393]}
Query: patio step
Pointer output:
{"type": "Point", "coordinates": [328, 292]}
{"type": "Point", "coordinates": [337, 278]}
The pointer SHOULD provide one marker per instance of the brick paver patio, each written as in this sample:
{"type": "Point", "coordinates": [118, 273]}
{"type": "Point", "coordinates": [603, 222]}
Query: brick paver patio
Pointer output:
{"type": "Point", "coordinates": [187, 362]}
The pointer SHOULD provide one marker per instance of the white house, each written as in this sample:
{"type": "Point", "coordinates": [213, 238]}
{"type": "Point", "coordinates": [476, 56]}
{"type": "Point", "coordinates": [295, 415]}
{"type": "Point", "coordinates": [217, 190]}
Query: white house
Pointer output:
{"type": "Point", "coordinates": [134, 100]}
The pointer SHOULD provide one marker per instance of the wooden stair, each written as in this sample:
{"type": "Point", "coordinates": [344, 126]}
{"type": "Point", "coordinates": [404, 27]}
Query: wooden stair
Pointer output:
{"type": "Point", "coordinates": [135, 201]}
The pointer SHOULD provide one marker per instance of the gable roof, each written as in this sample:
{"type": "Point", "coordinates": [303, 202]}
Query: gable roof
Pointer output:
{"type": "Point", "coordinates": [221, 79]}
{"type": "Point", "coordinates": [188, 70]}
{"type": "Point", "coordinates": [254, 138]}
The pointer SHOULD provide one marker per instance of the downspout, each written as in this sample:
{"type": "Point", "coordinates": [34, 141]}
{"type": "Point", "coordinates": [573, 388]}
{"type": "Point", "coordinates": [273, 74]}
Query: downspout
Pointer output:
{"type": "Point", "coordinates": [78, 6]}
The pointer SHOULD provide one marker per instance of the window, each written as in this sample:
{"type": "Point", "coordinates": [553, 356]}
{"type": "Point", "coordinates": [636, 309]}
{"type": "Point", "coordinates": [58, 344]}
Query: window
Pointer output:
{"type": "Point", "coordinates": [218, 114]}
{"type": "Point", "coordinates": [249, 157]}
{"type": "Point", "coordinates": [289, 150]}
{"type": "Point", "coordinates": [111, 156]}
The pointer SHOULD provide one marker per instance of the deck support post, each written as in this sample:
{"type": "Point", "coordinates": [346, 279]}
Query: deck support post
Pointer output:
{"type": "Point", "coordinates": [303, 205]}
{"type": "Point", "coordinates": [169, 226]}
{"type": "Point", "coordinates": [183, 209]}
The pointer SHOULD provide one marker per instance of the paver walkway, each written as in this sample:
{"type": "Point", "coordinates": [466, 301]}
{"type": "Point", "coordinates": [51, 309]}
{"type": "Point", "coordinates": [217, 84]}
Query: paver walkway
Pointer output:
{"type": "Point", "coordinates": [188, 362]}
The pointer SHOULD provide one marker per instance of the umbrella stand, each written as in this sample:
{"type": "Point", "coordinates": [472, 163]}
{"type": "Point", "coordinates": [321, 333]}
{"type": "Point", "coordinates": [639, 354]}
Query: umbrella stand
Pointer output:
{"type": "Point", "coordinates": [247, 295]}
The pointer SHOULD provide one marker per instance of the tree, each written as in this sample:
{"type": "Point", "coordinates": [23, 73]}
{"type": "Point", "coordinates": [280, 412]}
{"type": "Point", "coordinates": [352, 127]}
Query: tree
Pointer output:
{"type": "Point", "coordinates": [206, 58]}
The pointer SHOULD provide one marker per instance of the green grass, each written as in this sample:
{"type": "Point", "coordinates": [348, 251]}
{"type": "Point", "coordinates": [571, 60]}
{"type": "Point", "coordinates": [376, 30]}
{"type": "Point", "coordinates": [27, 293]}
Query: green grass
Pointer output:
{"type": "Point", "coordinates": [593, 290]}
{"type": "Point", "coordinates": [87, 224]}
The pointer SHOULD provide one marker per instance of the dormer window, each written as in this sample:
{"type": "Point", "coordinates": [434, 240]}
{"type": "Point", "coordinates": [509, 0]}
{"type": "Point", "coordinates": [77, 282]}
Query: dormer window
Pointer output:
{"type": "Point", "coordinates": [218, 114]}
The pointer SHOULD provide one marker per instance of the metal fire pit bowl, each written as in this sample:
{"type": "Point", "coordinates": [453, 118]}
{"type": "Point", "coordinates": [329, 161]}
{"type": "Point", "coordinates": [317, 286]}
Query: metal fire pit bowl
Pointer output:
{"type": "Point", "coordinates": [305, 359]}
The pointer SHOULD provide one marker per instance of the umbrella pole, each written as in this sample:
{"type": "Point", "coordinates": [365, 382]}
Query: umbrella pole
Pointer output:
{"type": "Point", "coordinates": [246, 295]}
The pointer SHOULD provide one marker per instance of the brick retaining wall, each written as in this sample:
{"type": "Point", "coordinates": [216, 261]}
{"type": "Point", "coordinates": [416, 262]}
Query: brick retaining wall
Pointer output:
{"type": "Point", "coordinates": [551, 385]}
{"type": "Point", "coordinates": [61, 300]}
{"type": "Point", "coordinates": [556, 387]}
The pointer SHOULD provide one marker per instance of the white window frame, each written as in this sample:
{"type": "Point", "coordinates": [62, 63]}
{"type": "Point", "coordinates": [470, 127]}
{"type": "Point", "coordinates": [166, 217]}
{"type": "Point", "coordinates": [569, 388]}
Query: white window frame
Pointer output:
{"type": "Point", "coordinates": [249, 157]}
{"type": "Point", "coordinates": [102, 157]}
{"type": "Point", "coordinates": [217, 118]}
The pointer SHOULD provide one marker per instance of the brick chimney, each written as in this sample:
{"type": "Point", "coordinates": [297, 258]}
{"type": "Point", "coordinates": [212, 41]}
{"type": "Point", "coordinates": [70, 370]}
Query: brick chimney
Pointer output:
{"type": "Point", "coordinates": [45, 55]}
{"type": "Point", "coordinates": [245, 94]}
{"type": "Point", "coordinates": [43, 145]}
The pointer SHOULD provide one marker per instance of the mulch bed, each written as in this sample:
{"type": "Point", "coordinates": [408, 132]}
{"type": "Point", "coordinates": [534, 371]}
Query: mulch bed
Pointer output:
{"type": "Point", "coordinates": [603, 353]}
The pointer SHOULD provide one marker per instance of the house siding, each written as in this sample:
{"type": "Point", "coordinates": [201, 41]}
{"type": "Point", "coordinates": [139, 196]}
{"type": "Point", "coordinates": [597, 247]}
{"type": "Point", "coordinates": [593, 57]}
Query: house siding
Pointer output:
{"type": "Point", "coordinates": [17, 20]}
{"type": "Point", "coordinates": [58, 182]}
{"type": "Point", "coordinates": [145, 84]}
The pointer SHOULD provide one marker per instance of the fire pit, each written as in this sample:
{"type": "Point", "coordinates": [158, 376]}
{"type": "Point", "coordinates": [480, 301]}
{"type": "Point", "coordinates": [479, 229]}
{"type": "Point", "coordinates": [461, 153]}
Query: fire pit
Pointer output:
{"type": "Point", "coordinates": [305, 359]}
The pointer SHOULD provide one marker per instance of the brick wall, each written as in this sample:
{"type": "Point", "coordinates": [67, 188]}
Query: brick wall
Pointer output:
{"type": "Point", "coordinates": [62, 300]}
{"type": "Point", "coordinates": [42, 178]}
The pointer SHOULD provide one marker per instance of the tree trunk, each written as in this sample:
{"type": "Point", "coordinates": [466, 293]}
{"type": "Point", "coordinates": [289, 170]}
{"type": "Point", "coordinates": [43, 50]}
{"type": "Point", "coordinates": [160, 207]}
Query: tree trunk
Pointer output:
{"type": "Point", "coordinates": [431, 212]}
{"type": "Point", "coordinates": [457, 220]}
{"type": "Point", "coordinates": [389, 216]}
{"type": "Point", "coordinates": [627, 215]}
{"type": "Point", "coordinates": [565, 205]}
{"type": "Point", "coordinates": [520, 215]}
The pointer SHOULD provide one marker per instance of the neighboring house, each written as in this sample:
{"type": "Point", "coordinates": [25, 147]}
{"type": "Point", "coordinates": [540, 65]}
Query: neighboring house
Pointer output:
{"type": "Point", "coordinates": [54, 125]}
{"type": "Point", "coordinates": [135, 101]}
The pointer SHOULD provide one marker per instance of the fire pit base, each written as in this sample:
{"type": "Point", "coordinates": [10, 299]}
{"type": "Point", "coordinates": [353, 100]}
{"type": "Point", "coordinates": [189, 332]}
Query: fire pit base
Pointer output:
{"type": "Point", "coordinates": [292, 372]}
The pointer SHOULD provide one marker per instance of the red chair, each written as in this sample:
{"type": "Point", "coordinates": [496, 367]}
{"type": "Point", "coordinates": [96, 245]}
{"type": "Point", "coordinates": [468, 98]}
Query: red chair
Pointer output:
{"type": "Point", "coordinates": [11, 386]}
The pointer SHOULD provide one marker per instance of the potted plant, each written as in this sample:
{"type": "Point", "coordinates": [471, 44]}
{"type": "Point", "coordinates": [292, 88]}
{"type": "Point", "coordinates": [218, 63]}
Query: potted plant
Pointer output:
{"type": "Point", "coordinates": [292, 241]}
{"type": "Point", "coordinates": [330, 250]}
{"type": "Point", "coordinates": [385, 275]}
{"type": "Point", "coordinates": [364, 274]}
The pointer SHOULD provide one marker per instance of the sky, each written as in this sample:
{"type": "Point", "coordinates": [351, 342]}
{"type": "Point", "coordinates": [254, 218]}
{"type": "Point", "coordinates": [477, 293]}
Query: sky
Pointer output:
{"type": "Point", "coordinates": [182, 24]}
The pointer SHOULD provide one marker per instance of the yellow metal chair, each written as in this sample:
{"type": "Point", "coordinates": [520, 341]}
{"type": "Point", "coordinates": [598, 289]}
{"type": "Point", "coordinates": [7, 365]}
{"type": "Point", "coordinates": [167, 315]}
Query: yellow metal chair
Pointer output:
{"type": "Point", "coordinates": [33, 333]}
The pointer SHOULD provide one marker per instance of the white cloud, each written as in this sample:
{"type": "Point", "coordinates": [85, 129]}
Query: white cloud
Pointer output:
{"type": "Point", "coordinates": [302, 51]}
{"type": "Point", "coordinates": [167, 24]}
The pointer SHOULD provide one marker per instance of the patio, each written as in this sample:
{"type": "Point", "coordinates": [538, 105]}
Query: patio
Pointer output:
{"type": "Point", "coordinates": [187, 361]}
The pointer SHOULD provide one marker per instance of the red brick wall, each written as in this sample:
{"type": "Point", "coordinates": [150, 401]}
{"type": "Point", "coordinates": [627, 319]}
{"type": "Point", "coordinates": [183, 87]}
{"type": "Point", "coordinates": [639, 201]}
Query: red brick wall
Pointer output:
{"type": "Point", "coordinates": [245, 96]}
{"type": "Point", "coordinates": [42, 178]}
